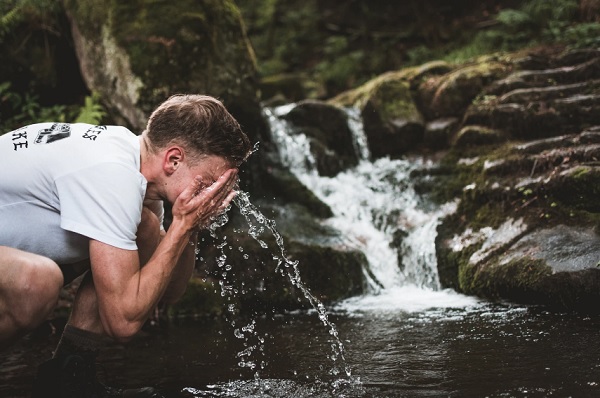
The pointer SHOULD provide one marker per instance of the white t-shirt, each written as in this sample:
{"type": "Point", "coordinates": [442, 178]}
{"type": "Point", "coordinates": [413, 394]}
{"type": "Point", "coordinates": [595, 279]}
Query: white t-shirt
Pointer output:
{"type": "Point", "coordinates": [62, 184]}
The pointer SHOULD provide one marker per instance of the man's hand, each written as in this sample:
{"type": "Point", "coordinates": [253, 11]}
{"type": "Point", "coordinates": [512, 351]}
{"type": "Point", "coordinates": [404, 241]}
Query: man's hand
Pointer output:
{"type": "Point", "coordinates": [198, 204]}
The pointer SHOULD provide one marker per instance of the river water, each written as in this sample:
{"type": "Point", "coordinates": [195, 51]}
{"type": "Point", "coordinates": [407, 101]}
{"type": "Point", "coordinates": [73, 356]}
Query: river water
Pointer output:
{"type": "Point", "coordinates": [406, 337]}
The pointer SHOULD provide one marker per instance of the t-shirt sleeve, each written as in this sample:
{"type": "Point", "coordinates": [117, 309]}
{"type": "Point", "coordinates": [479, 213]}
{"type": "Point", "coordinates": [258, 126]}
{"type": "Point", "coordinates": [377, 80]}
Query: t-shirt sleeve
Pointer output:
{"type": "Point", "coordinates": [103, 202]}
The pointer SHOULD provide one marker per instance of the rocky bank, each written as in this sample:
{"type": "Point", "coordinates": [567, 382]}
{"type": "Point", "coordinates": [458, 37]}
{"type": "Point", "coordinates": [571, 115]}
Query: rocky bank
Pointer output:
{"type": "Point", "coordinates": [518, 135]}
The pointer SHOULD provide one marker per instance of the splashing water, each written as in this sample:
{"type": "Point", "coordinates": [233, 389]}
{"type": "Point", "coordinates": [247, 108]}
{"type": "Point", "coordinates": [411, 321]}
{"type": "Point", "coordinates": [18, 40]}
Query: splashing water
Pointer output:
{"type": "Point", "coordinates": [257, 223]}
{"type": "Point", "coordinates": [289, 268]}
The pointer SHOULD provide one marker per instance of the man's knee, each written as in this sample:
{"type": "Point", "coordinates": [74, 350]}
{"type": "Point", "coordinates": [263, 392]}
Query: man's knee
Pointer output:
{"type": "Point", "coordinates": [37, 284]}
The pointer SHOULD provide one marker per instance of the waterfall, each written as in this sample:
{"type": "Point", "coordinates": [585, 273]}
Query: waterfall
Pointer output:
{"type": "Point", "coordinates": [377, 210]}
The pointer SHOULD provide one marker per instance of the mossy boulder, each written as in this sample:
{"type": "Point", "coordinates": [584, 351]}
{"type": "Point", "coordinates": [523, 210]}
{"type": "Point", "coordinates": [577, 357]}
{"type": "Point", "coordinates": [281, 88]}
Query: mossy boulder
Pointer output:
{"type": "Point", "coordinates": [284, 187]}
{"type": "Point", "coordinates": [392, 122]}
{"type": "Point", "coordinates": [439, 132]}
{"type": "Point", "coordinates": [201, 298]}
{"type": "Point", "coordinates": [135, 55]}
{"type": "Point", "coordinates": [555, 266]}
{"type": "Point", "coordinates": [254, 274]}
{"type": "Point", "coordinates": [451, 94]}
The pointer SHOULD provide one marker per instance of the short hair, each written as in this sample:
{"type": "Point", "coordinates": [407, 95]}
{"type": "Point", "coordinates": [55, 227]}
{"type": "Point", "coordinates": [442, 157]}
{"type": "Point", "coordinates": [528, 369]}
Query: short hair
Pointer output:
{"type": "Point", "coordinates": [200, 123]}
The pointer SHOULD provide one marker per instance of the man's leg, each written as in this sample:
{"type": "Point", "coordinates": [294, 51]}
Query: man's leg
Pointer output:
{"type": "Point", "coordinates": [29, 289]}
{"type": "Point", "coordinates": [72, 372]}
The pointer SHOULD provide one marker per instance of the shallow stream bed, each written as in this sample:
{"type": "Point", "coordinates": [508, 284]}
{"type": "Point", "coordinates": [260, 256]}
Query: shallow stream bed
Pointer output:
{"type": "Point", "coordinates": [480, 350]}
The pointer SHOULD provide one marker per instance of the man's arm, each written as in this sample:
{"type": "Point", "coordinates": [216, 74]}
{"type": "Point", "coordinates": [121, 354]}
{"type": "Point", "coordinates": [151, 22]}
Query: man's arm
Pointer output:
{"type": "Point", "coordinates": [182, 273]}
{"type": "Point", "coordinates": [126, 292]}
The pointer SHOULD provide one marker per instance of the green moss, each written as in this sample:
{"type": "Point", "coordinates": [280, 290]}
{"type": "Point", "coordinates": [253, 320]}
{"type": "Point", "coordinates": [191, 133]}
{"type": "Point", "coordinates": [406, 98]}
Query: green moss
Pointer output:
{"type": "Point", "coordinates": [393, 100]}
{"type": "Point", "coordinates": [175, 46]}
{"type": "Point", "coordinates": [519, 280]}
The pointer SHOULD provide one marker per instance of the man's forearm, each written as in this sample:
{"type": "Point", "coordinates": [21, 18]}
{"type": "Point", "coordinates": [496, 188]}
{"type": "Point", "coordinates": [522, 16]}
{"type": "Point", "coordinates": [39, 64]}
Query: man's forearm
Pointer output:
{"type": "Point", "coordinates": [182, 272]}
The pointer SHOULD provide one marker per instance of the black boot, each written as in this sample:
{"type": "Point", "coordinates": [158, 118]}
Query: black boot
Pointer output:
{"type": "Point", "coordinates": [74, 376]}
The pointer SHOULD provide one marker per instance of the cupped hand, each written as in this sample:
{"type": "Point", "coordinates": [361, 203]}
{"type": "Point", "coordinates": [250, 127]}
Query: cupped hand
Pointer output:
{"type": "Point", "coordinates": [199, 204]}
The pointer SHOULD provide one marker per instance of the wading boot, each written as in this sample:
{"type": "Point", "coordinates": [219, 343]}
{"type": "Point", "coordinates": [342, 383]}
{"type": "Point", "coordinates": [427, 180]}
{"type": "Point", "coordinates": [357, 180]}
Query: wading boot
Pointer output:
{"type": "Point", "coordinates": [74, 376]}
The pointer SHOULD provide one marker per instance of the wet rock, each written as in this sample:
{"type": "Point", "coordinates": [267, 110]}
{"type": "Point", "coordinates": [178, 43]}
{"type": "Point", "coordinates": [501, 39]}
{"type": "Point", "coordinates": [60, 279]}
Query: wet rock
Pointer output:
{"type": "Point", "coordinates": [391, 119]}
{"type": "Point", "coordinates": [450, 94]}
{"type": "Point", "coordinates": [202, 298]}
{"type": "Point", "coordinates": [332, 143]}
{"type": "Point", "coordinates": [526, 227]}
{"type": "Point", "coordinates": [563, 75]}
{"type": "Point", "coordinates": [474, 135]}
{"type": "Point", "coordinates": [556, 266]}
{"type": "Point", "coordinates": [251, 274]}
{"type": "Point", "coordinates": [438, 132]}
{"type": "Point", "coordinates": [282, 185]}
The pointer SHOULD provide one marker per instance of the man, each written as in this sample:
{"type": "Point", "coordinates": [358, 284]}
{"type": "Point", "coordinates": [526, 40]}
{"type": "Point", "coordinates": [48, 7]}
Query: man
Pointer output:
{"type": "Point", "coordinates": [78, 197]}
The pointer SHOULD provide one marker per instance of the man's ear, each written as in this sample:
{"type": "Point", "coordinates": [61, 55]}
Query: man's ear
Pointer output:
{"type": "Point", "coordinates": [172, 159]}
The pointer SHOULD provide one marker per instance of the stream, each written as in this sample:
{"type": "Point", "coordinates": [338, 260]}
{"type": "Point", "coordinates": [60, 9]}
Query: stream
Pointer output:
{"type": "Point", "coordinates": [406, 337]}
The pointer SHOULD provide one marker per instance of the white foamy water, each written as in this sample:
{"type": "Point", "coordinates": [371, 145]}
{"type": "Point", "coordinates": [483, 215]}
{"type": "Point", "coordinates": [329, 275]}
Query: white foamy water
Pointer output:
{"type": "Point", "coordinates": [409, 299]}
{"type": "Point", "coordinates": [379, 213]}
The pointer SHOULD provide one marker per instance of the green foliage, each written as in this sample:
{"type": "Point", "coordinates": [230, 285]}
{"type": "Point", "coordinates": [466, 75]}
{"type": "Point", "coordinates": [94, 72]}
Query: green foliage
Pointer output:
{"type": "Point", "coordinates": [342, 44]}
{"type": "Point", "coordinates": [536, 22]}
{"type": "Point", "coordinates": [17, 110]}
{"type": "Point", "coordinates": [340, 66]}
{"type": "Point", "coordinates": [583, 35]}
{"type": "Point", "coordinates": [92, 111]}
{"type": "Point", "coordinates": [16, 11]}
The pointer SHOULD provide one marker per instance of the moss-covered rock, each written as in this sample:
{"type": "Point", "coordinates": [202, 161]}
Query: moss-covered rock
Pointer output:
{"type": "Point", "coordinates": [392, 122]}
{"type": "Point", "coordinates": [439, 132]}
{"type": "Point", "coordinates": [526, 227]}
{"type": "Point", "coordinates": [201, 298]}
{"type": "Point", "coordinates": [332, 143]}
{"type": "Point", "coordinates": [254, 274]}
{"type": "Point", "coordinates": [473, 135]}
{"type": "Point", "coordinates": [452, 93]}
{"type": "Point", "coordinates": [136, 54]}
{"type": "Point", "coordinates": [554, 266]}
{"type": "Point", "coordinates": [284, 186]}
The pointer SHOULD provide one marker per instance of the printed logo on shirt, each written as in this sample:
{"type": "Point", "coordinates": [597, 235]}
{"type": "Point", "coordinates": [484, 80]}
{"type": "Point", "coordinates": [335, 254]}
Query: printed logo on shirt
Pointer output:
{"type": "Point", "coordinates": [93, 132]}
{"type": "Point", "coordinates": [56, 132]}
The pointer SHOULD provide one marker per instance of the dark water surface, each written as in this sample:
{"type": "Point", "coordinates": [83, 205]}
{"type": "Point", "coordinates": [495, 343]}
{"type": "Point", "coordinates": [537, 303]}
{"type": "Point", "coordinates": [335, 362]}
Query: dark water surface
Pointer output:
{"type": "Point", "coordinates": [482, 351]}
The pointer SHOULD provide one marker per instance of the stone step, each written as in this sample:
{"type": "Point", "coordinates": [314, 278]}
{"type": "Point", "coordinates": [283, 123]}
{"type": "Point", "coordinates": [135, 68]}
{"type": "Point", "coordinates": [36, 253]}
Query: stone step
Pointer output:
{"type": "Point", "coordinates": [542, 78]}
{"type": "Point", "coordinates": [547, 160]}
{"type": "Point", "coordinates": [535, 119]}
{"type": "Point", "coordinates": [526, 95]}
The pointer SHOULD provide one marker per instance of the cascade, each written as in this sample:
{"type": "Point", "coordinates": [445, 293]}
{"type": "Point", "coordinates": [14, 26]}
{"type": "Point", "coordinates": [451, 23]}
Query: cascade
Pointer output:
{"type": "Point", "coordinates": [375, 205]}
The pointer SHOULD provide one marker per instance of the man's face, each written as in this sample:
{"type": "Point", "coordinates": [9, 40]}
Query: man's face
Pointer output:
{"type": "Point", "coordinates": [209, 168]}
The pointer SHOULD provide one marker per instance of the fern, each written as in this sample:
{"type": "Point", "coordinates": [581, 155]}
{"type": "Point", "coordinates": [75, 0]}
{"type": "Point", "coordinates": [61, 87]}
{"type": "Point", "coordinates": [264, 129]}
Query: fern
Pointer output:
{"type": "Point", "coordinates": [92, 111]}
{"type": "Point", "coordinates": [14, 12]}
